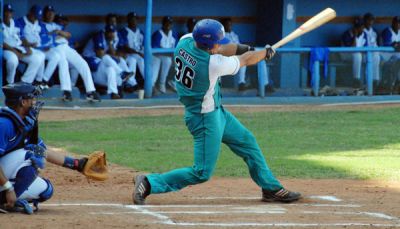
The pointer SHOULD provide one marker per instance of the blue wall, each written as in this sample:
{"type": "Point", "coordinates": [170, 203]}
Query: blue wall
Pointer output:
{"type": "Point", "coordinates": [330, 34]}
{"type": "Point", "coordinates": [161, 8]}
{"type": "Point", "coordinates": [327, 35]}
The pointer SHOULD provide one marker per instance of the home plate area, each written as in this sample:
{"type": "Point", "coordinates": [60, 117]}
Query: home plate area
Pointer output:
{"type": "Point", "coordinates": [322, 211]}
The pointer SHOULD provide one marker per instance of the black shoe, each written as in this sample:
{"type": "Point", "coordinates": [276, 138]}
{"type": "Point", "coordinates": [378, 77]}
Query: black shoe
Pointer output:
{"type": "Point", "coordinates": [142, 190]}
{"type": "Point", "coordinates": [93, 97]}
{"type": "Point", "coordinates": [281, 195]}
{"type": "Point", "coordinates": [67, 96]}
{"type": "Point", "coordinates": [242, 87]}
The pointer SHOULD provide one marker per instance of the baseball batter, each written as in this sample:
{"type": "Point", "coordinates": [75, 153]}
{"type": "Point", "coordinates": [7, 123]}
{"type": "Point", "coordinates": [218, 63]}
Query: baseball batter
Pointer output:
{"type": "Point", "coordinates": [201, 58]}
{"type": "Point", "coordinates": [14, 51]}
{"type": "Point", "coordinates": [23, 153]}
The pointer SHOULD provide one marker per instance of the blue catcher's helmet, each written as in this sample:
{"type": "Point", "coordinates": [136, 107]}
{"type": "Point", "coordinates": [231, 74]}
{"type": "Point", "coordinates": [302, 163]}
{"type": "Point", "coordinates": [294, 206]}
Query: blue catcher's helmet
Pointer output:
{"type": "Point", "coordinates": [208, 32]}
{"type": "Point", "coordinates": [18, 91]}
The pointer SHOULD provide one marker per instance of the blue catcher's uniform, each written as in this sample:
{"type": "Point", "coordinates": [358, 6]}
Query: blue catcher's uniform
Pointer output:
{"type": "Point", "coordinates": [22, 153]}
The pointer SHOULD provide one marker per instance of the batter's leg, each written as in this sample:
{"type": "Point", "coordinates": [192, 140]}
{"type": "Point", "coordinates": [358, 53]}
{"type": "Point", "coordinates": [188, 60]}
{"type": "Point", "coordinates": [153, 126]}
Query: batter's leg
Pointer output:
{"type": "Point", "coordinates": [243, 143]}
{"type": "Point", "coordinates": [207, 132]}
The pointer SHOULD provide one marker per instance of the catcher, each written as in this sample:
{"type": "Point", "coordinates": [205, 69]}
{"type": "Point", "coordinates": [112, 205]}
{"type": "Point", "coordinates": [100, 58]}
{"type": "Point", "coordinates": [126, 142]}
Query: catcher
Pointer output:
{"type": "Point", "coordinates": [23, 154]}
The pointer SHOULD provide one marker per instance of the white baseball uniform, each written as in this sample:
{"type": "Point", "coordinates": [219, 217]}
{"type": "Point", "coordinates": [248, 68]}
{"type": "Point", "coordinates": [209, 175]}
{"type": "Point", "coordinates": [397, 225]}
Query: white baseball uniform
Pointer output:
{"type": "Point", "coordinates": [74, 59]}
{"type": "Point", "coordinates": [389, 36]}
{"type": "Point", "coordinates": [37, 33]}
{"type": "Point", "coordinates": [106, 70]}
{"type": "Point", "coordinates": [34, 61]}
{"type": "Point", "coordinates": [240, 77]}
{"type": "Point", "coordinates": [162, 63]}
{"type": "Point", "coordinates": [134, 39]}
{"type": "Point", "coordinates": [357, 57]}
{"type": "Point", "coordinates": [372, 37]}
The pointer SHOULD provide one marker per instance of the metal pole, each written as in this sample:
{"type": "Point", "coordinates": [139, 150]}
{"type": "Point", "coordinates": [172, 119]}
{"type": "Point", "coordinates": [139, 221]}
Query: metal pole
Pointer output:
{"type": "Point", "coordinates": [148, 82]}
{"type": "Point", "coordinates": [369, 73]}
{"type": "Point", "coordinates": [262, 71]}
{"type": "Point", "coordinates": [316, 77]}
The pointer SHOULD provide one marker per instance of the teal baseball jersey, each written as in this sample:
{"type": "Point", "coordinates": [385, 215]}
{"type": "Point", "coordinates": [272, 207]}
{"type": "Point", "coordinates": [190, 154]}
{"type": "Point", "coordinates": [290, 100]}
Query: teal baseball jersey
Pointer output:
{"type": "Point", "coordinates": [197, 75]}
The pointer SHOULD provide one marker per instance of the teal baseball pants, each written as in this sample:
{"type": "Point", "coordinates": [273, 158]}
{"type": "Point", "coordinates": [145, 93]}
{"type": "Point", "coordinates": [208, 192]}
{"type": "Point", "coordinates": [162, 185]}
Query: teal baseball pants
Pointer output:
{"type": "Point", "coordinates": [208, 131]}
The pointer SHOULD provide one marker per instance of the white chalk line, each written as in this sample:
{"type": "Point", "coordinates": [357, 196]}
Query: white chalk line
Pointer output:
{"type": "Point", "coordinates": [192, 212]}
{"type": "Point", "coordinates": [326, 198]}
{"type": "Point", "coordinates": [163, 219]}
{"type": "Point", "coordinates": [285, 224]}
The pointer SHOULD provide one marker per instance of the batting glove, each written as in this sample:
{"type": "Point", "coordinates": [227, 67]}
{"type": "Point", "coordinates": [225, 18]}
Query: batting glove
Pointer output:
{"type": "Point", "coordinates": [270, 52]}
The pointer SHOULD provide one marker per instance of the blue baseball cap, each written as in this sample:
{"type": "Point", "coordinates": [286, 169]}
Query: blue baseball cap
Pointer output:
{"type": "Point", "coordinates": [36, 10]}
{"type": "Point", "coordinates": [109, 28]}
{"type": "Point", "coordinates": [8, 7]}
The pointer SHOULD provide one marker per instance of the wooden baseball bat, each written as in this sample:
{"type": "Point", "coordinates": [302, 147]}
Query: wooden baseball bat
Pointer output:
{"type": "Point", "coordinates": [313, 23]}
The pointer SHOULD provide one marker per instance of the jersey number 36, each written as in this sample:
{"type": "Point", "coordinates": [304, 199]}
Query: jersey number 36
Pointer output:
{"type": "Point", "coordinates": [186, 76]}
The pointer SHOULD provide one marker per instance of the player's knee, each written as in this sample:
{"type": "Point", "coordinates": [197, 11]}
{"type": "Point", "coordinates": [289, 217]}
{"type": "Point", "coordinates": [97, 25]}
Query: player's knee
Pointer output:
{"type": "Point", "coordinates": [203, 176]}
{"type": "Point", "coordinates": [24, 178]}
{"type": "Point", "coordinates": [12, 61]}
{"type": "Point", "coordinates": [47, 193]}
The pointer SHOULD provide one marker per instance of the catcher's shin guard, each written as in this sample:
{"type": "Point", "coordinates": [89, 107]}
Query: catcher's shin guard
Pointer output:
{"type": "Point", "coordinates": [141, 191]}
{"type": "Point", "coordinates": [281, 195]}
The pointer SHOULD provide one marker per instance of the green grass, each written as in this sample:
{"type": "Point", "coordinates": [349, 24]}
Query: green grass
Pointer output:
{"type": "Point", "coordinates": [316, 144]}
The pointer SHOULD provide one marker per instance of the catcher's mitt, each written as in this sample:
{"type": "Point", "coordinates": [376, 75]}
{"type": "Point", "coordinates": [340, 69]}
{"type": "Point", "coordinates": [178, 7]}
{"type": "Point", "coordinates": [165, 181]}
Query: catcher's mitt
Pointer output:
{"type": "Point", "coordinates": [96, 166]}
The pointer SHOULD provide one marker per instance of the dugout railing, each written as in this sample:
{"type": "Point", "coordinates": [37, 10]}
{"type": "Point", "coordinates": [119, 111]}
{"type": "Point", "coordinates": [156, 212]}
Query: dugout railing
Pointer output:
{"type": "Point", "coordinates": [263, 67]}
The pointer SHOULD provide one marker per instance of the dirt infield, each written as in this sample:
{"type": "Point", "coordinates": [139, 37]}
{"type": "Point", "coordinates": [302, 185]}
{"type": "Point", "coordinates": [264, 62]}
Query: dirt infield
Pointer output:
{"type": "Point", "coordinates": [221, 202]}
{"type": "Point", "coordinates": [79, 203]}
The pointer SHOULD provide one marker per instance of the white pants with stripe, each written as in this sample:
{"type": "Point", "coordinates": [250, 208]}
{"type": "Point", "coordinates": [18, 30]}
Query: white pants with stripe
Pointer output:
{"type": "Point", "coordinates": [35, 62]}
{"type": "Point", "coordinates": [109, 74]}
{"type": "Point", "coordinates": [76, 61]}
{"type": "Point", "coordinates": [161, 66]}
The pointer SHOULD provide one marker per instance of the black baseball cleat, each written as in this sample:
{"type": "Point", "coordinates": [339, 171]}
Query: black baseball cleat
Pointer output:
{"type": "Point", "coordinates": [281, 195]}
{"type": "Point", "coordinates": [142, 190]}
{"type": "Point", "coordinates": [67, 96]}
{"type": "Point", "coordinates": [93, 97]}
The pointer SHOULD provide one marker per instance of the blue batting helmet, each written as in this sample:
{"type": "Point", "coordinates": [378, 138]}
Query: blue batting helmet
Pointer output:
{"type": "Point", "coordinates": [208, 32]}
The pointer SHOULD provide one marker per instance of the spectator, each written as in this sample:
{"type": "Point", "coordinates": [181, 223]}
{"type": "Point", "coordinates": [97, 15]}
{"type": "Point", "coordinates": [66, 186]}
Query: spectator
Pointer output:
{"type": "Point", "coordinates": [372, 37]}
{"type": "Point", "coordinates": [131, 42]}
{"type": "Point", "coordinates": [75, 61]}
{"type": "Point", "coordinates": [14, 51]}
{"type": "Point", "coordinates": [163, 38]}
{"type": "Point", "coordinates": [355, 37]}
{"type": "Point", "coordinates": [109, 69]}
{"type": "Point", "coordinates": [35, 35]}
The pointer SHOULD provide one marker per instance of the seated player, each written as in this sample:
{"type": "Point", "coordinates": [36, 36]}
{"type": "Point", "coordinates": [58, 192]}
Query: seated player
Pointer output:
{"type": "Point", "coordinates": [15, 51]}
{"type": "Point", "coordinates": [109, 69]}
